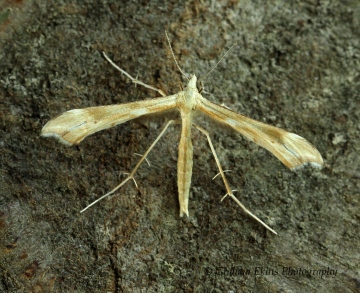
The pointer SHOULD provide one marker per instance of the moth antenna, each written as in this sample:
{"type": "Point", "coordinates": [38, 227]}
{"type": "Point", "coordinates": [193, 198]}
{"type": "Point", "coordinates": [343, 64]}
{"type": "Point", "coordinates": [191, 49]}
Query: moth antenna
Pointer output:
{"type": "Point", "coordinates": [217, 62]}
{"type": "Point", "coordinates": [172, 52]}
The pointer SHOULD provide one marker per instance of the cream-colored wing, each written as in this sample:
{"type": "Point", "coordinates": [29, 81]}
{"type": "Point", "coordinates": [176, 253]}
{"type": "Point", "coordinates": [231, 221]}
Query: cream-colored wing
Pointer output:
{"type": "Point", "coordinates": [73, 126]}
{"type": "Point", "coordinates": [291, 149]}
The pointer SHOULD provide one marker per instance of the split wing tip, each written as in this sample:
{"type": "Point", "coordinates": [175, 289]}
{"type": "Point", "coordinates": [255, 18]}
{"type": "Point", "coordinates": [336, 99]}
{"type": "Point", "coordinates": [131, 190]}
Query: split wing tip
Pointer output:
{"type": "Point", "coordinates": [56, 136]}
{"type": "Point", "coordinates": [317, 165]}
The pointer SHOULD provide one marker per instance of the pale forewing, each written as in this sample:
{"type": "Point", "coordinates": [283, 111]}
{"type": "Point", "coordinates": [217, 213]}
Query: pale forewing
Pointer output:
{"type": "Point", "coordinates": [291, 149]}
{"type": "Point", "coordinates": [73, 126]}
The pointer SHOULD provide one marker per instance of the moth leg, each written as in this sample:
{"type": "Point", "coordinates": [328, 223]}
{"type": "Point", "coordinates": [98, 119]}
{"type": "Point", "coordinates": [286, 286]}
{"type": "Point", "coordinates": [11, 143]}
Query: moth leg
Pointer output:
{"type": "Point", "coordinates": [131, 175]}
{"type": "Point", "coordinates": [227, 186]}
{"type": "Point", "coordinates": [134, 80]}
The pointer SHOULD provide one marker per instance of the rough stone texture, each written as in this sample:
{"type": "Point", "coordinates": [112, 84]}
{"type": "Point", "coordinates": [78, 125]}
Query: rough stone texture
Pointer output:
{"type": "Point", "coordinates": [296, 65]}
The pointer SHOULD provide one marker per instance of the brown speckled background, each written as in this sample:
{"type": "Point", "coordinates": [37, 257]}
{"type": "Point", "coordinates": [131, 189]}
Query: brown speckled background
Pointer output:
{"type": "Point", "coordinates": [296, 66]}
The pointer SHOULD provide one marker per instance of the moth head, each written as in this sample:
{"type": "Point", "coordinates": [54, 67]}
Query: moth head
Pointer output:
{"type": "Point", "coordinates": [192, 82]}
